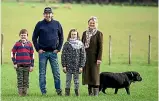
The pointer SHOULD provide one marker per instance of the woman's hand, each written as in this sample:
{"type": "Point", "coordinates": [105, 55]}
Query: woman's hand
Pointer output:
{"type": "Point", "coordinates": [99, 62]}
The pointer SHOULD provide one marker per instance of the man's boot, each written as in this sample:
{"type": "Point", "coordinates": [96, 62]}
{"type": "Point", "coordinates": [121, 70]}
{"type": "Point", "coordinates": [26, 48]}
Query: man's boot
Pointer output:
{"type": "Point", "coordinates": [95, 91]}
{"type": "Point", "coordinates": [20, 91]}
{"type": "Point", "coordinates": [67, 91]}
{"type": "Point", "coordinates": [76, 92]}
{"type": "Point", "coordinates": [59, 92]}
{"type": "Point", "coordinates": [25, 91]}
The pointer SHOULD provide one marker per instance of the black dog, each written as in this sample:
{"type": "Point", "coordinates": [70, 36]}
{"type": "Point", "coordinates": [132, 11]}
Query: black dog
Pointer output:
{"type": "Point", "coordinates": [118, 80]}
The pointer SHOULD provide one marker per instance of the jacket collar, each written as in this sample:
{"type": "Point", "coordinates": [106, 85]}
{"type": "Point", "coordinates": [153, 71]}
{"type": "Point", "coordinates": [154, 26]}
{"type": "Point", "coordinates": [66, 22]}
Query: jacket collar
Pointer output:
{"type": "Point", "coordinates": [48, 21]}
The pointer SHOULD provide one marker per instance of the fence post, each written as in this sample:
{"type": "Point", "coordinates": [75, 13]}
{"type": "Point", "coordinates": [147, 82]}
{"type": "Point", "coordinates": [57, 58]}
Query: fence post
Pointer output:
{"type": "Point", "coordinates": [110, 49]}
{"type": "Point", "coordinates": [1, 47]}
{"type": "Point", "coordinates": [129, 49]}
{"type": "Point", "coordinates": [149, 50]}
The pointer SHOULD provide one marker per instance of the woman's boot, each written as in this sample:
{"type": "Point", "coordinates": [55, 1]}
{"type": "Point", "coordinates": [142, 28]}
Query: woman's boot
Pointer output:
{"type": "Point", "coordinates": [90, 93]}
{"type": "Point", "coordinates": [95, 91]}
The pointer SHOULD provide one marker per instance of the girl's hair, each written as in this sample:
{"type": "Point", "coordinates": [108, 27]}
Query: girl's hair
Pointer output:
{"type": "Point", "coordinates": [69, 35]}
{"type": "Point", "coordinates": [22, 31]}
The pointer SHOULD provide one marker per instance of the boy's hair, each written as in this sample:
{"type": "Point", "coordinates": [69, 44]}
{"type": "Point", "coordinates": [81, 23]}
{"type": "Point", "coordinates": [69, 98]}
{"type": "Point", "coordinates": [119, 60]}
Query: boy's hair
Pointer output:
{"type": "Point", "coordinates": [69, 35]}
{"type": "Point", "coordinates": [22, 31]}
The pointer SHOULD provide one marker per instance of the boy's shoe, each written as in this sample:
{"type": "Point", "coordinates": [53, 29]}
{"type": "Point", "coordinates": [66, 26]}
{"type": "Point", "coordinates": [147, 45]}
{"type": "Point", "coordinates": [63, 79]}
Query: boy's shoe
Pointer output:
{"type": "Point", "coordinates": [59, 92]}
{"type": "Point", "coordinates": [20, 91]}
{"type": "Point", "coordinates": [25, 91]}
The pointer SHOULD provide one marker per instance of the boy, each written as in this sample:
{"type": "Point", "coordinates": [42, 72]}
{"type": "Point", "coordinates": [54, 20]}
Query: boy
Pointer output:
{"type": "Point", "coordinates": [23, 60]}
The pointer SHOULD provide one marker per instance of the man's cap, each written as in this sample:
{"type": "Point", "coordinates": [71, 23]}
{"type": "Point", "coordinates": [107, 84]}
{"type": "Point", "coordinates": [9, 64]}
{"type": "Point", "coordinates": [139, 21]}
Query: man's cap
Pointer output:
{"type": "Point", "coordinates": [48, 10]}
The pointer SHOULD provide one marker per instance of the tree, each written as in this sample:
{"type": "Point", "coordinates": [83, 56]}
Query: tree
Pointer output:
{"type": "Point", "coordinates": [131, 2]}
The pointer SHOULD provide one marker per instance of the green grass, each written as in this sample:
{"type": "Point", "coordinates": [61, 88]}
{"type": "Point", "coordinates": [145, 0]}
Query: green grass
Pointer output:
{"type": "Point", "coordinates": [140, 91]}
{"type": "Point", "coordinates": [117, 21]}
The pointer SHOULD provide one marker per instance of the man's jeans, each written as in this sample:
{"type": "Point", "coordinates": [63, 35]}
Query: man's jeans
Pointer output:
{"type": "Point", "coordinates": [43, 58]}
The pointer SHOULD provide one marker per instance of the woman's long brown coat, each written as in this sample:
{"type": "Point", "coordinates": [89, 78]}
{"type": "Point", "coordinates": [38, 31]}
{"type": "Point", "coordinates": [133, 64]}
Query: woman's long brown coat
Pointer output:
{"type": "Point", "coordinates": [93, 53]}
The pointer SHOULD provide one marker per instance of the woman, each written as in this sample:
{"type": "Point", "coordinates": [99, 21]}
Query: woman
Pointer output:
{"type": "Point", "coordinates": [93, 42]}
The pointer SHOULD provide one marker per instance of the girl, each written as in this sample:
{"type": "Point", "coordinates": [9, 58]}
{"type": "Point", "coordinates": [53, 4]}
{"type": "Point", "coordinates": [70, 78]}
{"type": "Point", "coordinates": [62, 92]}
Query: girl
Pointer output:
{"type": "Point", "coordinates": [73, 60]}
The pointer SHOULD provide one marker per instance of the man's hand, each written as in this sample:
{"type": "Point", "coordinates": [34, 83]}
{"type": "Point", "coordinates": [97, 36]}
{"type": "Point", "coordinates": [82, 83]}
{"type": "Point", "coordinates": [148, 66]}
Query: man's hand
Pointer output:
{"type": "Point", "coordinates": [15, 66]}
{"type": "Point", "coordinates": [64, 69]}
{"type": "Point", "coordinates": [56, 51]}
{"type": "Point", "coordinates": [40, 51]}
{"type": "Point", "coordinates": [30, 69]}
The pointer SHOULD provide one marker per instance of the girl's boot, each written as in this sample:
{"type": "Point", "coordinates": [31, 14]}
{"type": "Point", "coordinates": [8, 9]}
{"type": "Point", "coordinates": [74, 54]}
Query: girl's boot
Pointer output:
{"type": "Point", "coordinates": [67, 91]}
{"type": "Point", "coordinates": [76, 92]}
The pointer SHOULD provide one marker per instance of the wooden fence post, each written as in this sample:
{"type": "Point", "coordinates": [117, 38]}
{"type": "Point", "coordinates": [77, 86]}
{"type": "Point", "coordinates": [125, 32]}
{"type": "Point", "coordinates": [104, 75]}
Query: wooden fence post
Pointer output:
{"type": "Point", "coordinates": [110, 49]}
{"type": "Point", "coordinates": [129, 49]}
{"type": "Point", "coordinates": [1, 47]}
{"type": "Point", "coordinates": [149, 50]}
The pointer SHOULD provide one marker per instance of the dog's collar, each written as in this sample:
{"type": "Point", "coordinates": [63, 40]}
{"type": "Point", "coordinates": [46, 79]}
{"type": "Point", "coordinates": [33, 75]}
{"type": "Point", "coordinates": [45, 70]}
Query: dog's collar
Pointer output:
{"type": "Point", "coordinates": [132, 74]}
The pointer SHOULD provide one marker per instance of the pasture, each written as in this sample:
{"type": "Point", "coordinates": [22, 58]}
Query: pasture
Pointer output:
{"type": "Point", "coordinates": [117, 21]}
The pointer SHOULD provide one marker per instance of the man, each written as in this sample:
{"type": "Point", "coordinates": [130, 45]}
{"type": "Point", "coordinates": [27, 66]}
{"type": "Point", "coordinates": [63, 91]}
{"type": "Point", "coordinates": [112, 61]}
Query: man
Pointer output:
{"type": "Point", "coordinates": [48, 39]}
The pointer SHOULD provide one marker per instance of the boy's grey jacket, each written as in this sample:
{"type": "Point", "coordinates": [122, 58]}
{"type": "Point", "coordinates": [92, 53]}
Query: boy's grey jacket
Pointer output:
{"type": "Point", "coordinates": [73, 59]}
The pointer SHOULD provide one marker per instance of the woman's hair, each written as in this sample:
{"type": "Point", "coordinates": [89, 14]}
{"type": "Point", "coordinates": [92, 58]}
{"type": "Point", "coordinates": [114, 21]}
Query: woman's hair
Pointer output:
{"type": "Point", "coordinates": [22, 31]}
{"type": "Point", "coordinates": [69, 35]}
{"type": "Point", "coordinates": [93, 18]}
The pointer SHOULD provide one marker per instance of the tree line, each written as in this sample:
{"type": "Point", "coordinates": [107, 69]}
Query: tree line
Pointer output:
{"type": "Point", "coordinates": [110, 1]}
{"type": "Point", "coordinates": [131, 2]}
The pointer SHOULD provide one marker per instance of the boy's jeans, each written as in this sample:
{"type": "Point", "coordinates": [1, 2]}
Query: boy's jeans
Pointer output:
{"type": "Point", "coordinates": [43, 58]}
{"type": "Point", "coordinates": [22, 77]}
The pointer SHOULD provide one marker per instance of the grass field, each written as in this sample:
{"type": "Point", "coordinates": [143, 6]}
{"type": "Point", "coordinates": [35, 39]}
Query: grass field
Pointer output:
{"type": "Point", "coordinates": [117, 21]}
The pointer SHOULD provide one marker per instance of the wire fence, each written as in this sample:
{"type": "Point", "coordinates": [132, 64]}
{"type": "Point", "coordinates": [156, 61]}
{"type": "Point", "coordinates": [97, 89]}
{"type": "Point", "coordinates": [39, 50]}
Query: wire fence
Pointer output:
{"type": "Point", "coordinates": [129, 50]}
